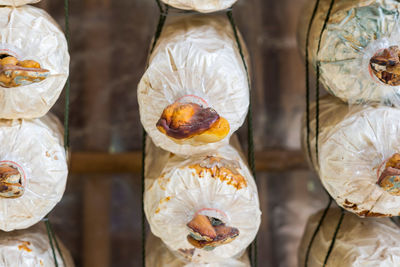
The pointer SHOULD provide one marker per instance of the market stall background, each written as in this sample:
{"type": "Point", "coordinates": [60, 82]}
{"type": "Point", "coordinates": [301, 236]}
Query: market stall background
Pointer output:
{"type": "Point", "coordinates": [99, 217]}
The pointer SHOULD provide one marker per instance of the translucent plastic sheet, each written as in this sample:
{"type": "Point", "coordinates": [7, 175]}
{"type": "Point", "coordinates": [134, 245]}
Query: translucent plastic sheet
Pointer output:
{"type": "Point", "coordinates": [196, 60]}
{"type": "Point", "coordinates": [31, 248]}
{"type": "Point", "coordinates": [354, 64]}
{"type": "Point", "coordinates": [204, 6]}
{"type": "Point", "coordinates": [35, 149]}
{"type": "Point", "coordinates": [158, 255]}
{"type": "Point", "coordinates": [29, 33]}
{"type": "Point", "coordinates": [359, 242]}
{"type": "Point", "coordinates": [355, 144]}
{"type": "Point", "coordinates": [217, 185]}
{"type": "Point", "coordinates": [17, 2]}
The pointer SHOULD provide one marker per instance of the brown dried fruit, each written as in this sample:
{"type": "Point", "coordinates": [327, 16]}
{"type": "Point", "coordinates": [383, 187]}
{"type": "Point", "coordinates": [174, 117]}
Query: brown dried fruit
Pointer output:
{"type": "Point", "coordinates": [389, 180]}
{"type": "Point", "coordinates": [386, 65]}
{"type": "Point", "coordinates": [10, 182]}
{"type": "Point", "coordinates": [201, 225]}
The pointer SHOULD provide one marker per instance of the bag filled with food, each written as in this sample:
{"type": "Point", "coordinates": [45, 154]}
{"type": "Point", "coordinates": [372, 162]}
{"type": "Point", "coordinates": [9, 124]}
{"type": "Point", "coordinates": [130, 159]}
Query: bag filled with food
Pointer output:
{"type": "Point", "coordinates": [205, 208]}
{"type": "Point", "coordinates": [31, 248]}
{"type": "Point", "coordinates": [34, 62]}
{"type": "Point", "coordinates": [359, 49]}
{"type": "Point", "coordinates": [33, 170]}
{"type": "Point", "coordinates": [194, 93]}
{"type": "Point", "coordinates": [359, 242]}
{"type": "Point", "coordinates": [358, 155]}
{"type": "Point", "coordinates": [203, 6]}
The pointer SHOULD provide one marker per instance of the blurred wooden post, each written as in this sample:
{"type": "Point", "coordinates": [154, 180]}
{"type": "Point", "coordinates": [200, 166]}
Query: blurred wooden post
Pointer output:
{"type": "Point", "coordinates": [96, 193]}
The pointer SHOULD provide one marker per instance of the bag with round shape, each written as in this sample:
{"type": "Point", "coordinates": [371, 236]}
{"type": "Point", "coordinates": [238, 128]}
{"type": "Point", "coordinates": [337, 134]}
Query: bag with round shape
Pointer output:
{"type": "Point", "coordinates": [194, 93]}
{"type": "Point", "coordinates": [205, 208]}
{"type": "Point", "coordinates": [34, 62]}
{"type": "Point", "coordinates": [359, 242]}
{"type": "Point", "coordinates": [31, 248]}
{"type": "Point", "coordinates": [203, 6]}
{"type": "Point", "coordinates": [33, 170]}
{"type": "Point", "coordinates": [17, 2]}
{"type": "Point", "coordinates": [359, 50]}
{"type": "Point", "coordinates": [158, 255]}
{"type": "Point", "coordinates": [358, 155]}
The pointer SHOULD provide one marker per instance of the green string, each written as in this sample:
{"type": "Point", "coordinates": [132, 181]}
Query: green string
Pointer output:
{"type": "Point", "coordinates": [320, 222]}
{"type": "Point", "coordinates": [334, 236]}
{"type": "Point", "coordinates": [253, 251]}
{"type": "Point", "coordinates": [308, 79]}
{"type": "Point", "coordinates": [52, 238]}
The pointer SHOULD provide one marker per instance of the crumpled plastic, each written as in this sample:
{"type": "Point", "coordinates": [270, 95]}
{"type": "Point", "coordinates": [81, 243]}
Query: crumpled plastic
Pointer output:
{"type": "Point", "coordinates": [158, 255]}
{"type": "Point", "coordinates": [17, 2]}
{"type": "Point", "coordinates": [175, 192]}
{"type": "Point", "coordinates": [196, 56]}
{"type": "Point", "coordinates": [31, 248]}
{"type": "Point", "coordinates": [36, 146]}
{"type": "Point", "coordinates": [354, 142]}
{"type": "Point", "coordinates": [355, 32]}
{"type": "Point", "coordinates": [204, 6]}
{"type": "Point", "coordinates": [29, 33]}
{"type": "Point", "coordinates": [359, 242]}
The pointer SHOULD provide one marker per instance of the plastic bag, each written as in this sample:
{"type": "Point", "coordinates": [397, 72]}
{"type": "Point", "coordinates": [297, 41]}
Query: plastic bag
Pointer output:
{"type": "Point", "coordinates": [204, 6]}
{"type": "Point", "coordinates": [158, 255]}
{"type": "Point", "coordinates": [29, 35]}
{"type": "Point", "coordinates": [359, 242]}
{"type": "Point", "coordinates": [358, 62]}
{"type": "Point", "coordinates": [31, 248]}
{"type": "Point", "coordinates": [195, 92]}
{"type": "Point", "coordinates": [33, 170]}
{"type": "Point", "coordinates": [17, 2]}
{"type": "Point", "coordinates": [188, 201]}
{"type": "Point", "coordinates": [357, 147]}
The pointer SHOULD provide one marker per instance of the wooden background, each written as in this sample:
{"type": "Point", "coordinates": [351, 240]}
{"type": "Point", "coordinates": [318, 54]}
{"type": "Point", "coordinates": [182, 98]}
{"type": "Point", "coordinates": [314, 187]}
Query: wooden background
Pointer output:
{"type": "Point", "coordinates": [99, 216]}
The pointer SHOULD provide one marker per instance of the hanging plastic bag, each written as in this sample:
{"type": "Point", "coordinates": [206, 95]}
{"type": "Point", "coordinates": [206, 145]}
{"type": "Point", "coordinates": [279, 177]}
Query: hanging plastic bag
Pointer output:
{"type": "Point", "coordinates": [200, 206]}
{"type": "Point", "coordinates": [31, 248]}
{"type": "Point", "coordinates": [358, 155]}
{"type": "Point", "coordinates": [17, 2]}
{"type": "Point", "coordinates": [195, 92]}
{"type": "Point", "coordinates": [359, 242]}
{"type": "Point", "coordinates": [34, 62]}
{"type": "Point", "coordinates": [359, 50]}
{"type": "Point", "coordinates": [33, 170]}
{"type": "Point", "coordinates": [204, 6]}
{"type": "Point", "coordinates": [158, 255]}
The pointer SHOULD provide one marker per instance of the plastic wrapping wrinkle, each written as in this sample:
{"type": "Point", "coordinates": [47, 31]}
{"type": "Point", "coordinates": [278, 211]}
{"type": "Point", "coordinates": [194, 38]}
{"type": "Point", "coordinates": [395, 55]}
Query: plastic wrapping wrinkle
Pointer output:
{"type": "Point", "coordinates": [31, 248]}
{"type": "Point", "coordinates": [17, 2]}
{"type": "Point", "coordinates": [357, 31]}
{"type": "Point", "coordinates": [360, 242]}
{"type": "Point", "coordinates": [158, 255]}
{"type": "Point", "coordinates": [29, 33]}
{"type": "Point", "coordinates": [204, 6]}
{"type": "Point", "coordinates": [36, 148]}
{"type": "Point", "coordinates": [177, 189]}
{"type": "Point", "coordinates": [196, 60]}
{"type": "Point", "coordinates": [354, 146]}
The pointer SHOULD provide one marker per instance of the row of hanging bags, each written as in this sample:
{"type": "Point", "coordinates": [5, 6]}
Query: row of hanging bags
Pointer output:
{"type": "Point", "coordinates": [200, 197]}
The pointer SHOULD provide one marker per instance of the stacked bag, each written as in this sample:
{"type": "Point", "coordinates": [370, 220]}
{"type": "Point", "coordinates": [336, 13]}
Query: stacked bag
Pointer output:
{"type": "Point", "coordinates": [200, 198]}
{"type": "Point", "coordinates": [358, 158]}
{"type": "Point", "coordinates": [34, 66]}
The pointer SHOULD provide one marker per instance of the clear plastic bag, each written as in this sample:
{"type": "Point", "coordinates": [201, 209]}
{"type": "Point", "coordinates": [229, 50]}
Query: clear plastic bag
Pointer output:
{"type": "Point", "coordinates": [217, 187]}
{"type": "Point", "coordinates": [29, 34]}
{"type": "Point", "coordinates": [359, 242]}
{"type": "Point", "coordinates": [357, 63]}
{"type": "Point", "coordinates": [356, 146]}
{"type": "Point", "coordinates": [194, 93]}
{"type": "Point", "coordinates": [158, 255]}
{"type": "Point", "coordinates": [33, 170]}
{"type": "Point", "coordinates": [31, 248]}
{"type": "Point", "coordinates": [17, 2]}
{"type": "Point", "coordinates": [204, 6]}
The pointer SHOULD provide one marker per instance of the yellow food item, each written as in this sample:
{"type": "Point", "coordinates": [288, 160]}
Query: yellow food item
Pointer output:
{"type": "Point", "coordinates": [29, 64]}
{"type": "Point", "coordinates": [8, 61]}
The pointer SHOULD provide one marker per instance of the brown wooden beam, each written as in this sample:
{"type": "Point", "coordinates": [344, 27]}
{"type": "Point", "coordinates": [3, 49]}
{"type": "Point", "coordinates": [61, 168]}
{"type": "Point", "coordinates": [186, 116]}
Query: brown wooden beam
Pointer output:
{"type": "Point", "coordinates": [276, 160]}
